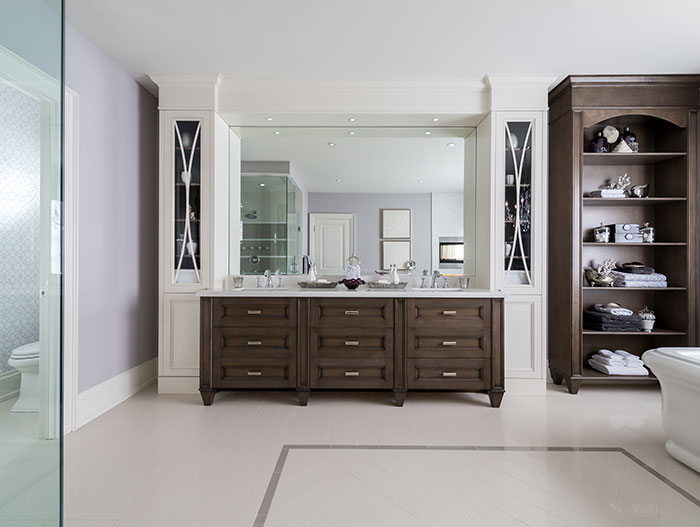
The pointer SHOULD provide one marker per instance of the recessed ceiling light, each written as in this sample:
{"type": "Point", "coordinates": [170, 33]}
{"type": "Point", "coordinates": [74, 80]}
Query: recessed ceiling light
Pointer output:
{"type": "Point", "coordinates": [352, 132]}
{"type": "Point", "coordinates": [352, 119]}
{"type": "Point", "coordinates": [269, 119]}
{"type": "Point", "coordinates": [330, 144]}
{"type": "Point", "coordinates": [277, 132]}
{"type": "Point", "coordinates": [339, 180]}
{"type": "Point", "coordinates": [420, 181]}
{"type": "Point", "coordinates": [450, 144]}
{"type": "Point", "coordinates": [436, 119]}
{"type": "Point", "coordinates": [427, 132]}
{"type": "Point", "coordinates": [262, 184]}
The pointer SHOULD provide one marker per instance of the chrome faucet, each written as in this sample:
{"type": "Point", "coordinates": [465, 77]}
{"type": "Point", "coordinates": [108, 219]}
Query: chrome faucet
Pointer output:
{"type": "Point", "coordinates": [268, 278]}
{"type": "Point", "coordinates": [424, 279]}
{"type": "Point", "coordinates": [434, 279]}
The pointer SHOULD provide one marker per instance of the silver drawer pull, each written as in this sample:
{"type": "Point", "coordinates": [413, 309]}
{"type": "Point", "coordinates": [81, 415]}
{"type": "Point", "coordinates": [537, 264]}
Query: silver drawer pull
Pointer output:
{"type": "Point", "coordinates": [254, 373]}
{"type": "Point", "coordinates": [449, 374]}
{"type": "Point", "coordinates": [449, 313]}
{"type": "Point", "coordinates": [449, 343]}
{"type": "Point", "coordinates": [352, 342]}
{"type": "Point", "coordinates": [352, 312]}
{"type": "Point", "coordinates": [255, 311]}
{"type": "Point", "coordinates": [352, 373]}
{"type": "Point", "coordinates": [255, 343]}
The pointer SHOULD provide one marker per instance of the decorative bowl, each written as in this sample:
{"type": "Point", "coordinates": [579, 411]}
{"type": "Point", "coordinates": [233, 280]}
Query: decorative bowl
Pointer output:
{"type": "Point", "coordinates": [318, 285]}
{"type": "Point", "coordinates": [352, 283]}
{"type": "Point", "coordinates": [384, 285]}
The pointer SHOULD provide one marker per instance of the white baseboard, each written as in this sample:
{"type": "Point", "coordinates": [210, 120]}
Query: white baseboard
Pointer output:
{"type": "Point", "coordinates": [535, 387]}
{"type": "Point", "coordinates": [99, 399]}
{"type": "Point", "coordinates": [9, 384]}
{"type": "Point", "coordinates": [178, 385]}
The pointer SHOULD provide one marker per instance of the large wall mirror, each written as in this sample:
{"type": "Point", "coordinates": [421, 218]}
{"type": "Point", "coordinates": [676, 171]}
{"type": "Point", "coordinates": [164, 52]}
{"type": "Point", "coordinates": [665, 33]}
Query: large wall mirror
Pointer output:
{"type": "Point", "coordinates": [402, 196]}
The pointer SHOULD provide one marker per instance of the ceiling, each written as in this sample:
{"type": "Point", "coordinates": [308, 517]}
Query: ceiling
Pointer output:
{"type": "Point", "coordinates": [391, 40]}
{"type": "Point", "coordinates": [368, 160]}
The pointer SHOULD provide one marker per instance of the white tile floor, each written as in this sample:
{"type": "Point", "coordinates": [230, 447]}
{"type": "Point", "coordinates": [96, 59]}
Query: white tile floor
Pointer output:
{"type": "Point", "coordinates": [169, 461]}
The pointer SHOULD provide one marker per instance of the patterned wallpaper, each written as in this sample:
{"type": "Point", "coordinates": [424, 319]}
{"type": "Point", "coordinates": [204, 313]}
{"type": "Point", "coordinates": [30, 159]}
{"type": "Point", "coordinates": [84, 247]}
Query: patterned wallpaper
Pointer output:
{"type": "Point", "coordinates": [20, 172]}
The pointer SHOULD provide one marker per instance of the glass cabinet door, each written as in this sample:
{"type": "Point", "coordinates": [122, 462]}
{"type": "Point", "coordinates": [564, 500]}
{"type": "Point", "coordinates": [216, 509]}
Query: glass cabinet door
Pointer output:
{"type": "Point", "coordinates": [187, 201]}
{"type": "Point", "coordinates": [518, 200]}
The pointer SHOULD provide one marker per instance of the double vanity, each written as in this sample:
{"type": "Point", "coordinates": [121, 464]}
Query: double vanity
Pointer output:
{"type": "Point", "coordinates": [304, 340]}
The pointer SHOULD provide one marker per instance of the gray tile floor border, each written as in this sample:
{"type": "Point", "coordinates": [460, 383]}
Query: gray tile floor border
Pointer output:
{"type": "Point", "coordinates": [277, 472]}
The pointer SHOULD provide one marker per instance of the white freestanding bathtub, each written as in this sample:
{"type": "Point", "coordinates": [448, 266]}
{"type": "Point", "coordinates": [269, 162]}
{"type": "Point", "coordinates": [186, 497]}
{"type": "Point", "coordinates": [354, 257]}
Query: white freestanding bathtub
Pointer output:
{"type": "Point", "coordinates": [678, 370]}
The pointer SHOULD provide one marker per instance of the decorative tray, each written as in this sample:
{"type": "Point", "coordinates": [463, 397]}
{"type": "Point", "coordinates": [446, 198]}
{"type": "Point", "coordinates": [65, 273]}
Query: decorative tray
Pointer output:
{"type": "Point", "coordinates": [379, 285]}
{"type": "Point", "coordinates": [318, 285]}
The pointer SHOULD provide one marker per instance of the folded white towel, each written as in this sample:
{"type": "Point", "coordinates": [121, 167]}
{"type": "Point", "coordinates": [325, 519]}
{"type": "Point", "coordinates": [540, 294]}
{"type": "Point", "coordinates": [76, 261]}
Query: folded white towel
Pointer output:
{"type": "Point", "coordinates": [609, 362]}
{"type": "Point", "coordinates": [606, 353]}
{"type": "Point", "coordinates": [623, 364]}
{"type": "Point", "coordinates": [629, 283]}
{"type": "Point", "coordinates": [618, 370]}
{"type": "Point", "coordinates": [626, 354]}
{"type": "Point", "coordinates": [635, 277]}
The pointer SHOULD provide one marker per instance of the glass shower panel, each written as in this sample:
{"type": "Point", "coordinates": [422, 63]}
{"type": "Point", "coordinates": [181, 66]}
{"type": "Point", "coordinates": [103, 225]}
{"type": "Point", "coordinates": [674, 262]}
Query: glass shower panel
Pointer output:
{"type": "Point", "coordinates": [294, 205]}
{"type": "Point", "coordinates": [31, 224]}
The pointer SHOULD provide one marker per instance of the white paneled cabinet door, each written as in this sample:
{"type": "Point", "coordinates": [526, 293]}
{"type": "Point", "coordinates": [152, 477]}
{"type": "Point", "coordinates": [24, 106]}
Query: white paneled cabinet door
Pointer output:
{"type": "Point", "coordinates": [523, 339]}
{"type": "Point", "coordinates": [332, 242]}
{"type": "Point", "coordinates": [180, 336]}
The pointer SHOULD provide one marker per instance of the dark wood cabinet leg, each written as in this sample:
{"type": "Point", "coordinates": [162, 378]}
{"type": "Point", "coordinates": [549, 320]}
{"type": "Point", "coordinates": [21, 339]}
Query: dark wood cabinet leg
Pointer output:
{"type": "Point", "coordinates": [303, 397]}
{"type": "Point", "coordinates": [557, 378]}
{"type": "Point", "coordinates": [573, 385]}
{"type": "Point", "coordinates": [400, 397]}
{"type": "Point", "coordinates": [207, 396]}
{"type": "Point", "coordinates": [496, 396]}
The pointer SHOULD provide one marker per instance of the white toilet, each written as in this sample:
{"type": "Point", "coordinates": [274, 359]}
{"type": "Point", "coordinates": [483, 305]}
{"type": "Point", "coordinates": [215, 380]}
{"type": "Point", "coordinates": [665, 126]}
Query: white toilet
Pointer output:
{"type": "Point", "coordinates": [25, 359]}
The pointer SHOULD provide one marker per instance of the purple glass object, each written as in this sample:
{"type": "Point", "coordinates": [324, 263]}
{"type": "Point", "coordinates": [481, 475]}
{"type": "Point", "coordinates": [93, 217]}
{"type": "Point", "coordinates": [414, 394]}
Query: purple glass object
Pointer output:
{"type": "Point", "coordinates": [630, 138]}
{"type": "Point", "coordinates": [352, 283]}
{"type": "Point", "coordinates": [600, 144]}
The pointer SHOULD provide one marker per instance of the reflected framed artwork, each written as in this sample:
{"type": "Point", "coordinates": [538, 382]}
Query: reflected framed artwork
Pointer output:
{"type": "Point", "coordinates": [396, 223]}
{"type": "Point", "coordinates": [396, 253]}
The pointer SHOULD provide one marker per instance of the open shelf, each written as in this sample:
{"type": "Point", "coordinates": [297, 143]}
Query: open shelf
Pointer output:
{"type": "Point", "coordinates": [654, 333]}
{"type": "Point", "coordinates": [594, 376]}
{"type": "Point", "coordinates": [634, 244]}
{"type": "Point", "coordinates": [629, 201]}
{"type": "Point", "coordinates": [639, 158]}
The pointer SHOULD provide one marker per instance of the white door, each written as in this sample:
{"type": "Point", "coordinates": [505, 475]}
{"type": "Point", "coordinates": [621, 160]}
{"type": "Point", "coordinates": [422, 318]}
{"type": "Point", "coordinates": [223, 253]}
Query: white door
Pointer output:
{"type": "Point", "coordinates": [331, 242]}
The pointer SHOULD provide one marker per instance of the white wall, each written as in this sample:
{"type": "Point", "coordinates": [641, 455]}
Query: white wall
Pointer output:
{"type": "Point", "coordinates": [118, 224]}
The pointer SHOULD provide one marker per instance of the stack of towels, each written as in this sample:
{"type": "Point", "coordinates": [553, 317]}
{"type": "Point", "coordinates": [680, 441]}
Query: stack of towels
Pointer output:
{"type": "Point", "coordinates": [608, 193]}
{"type": "Point", "coordinates": [638, 277]}
{"type": "Point", "coordinates": [618, 362]}
{"type": "Point", "coordinates": [611, 317]}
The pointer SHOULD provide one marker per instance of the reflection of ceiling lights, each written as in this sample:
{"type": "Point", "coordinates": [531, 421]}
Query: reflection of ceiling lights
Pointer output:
{"type": "Point", "coordinates": [269, 119]}
{"type": "Point", "coordinates": [420, 181]}
{"type": "Point", "coordinates": [352, 119]}
{"type": "Point", "coordinates": [277, 132]}
{"type": "Point", "coordinates": [436, 119]}
{"type": "Point", "coordinates": [428, 132]}
{"type": "Point", "coordinates": [450, 144]}
{"type": "Point", "coordinates": [262, 184]}
{"type": "Point", "coordinates": [352, 132]}
{"type": "Point", "coordinates": [330, 144]}
{"type": "Point", "coordinates": [339, 180]}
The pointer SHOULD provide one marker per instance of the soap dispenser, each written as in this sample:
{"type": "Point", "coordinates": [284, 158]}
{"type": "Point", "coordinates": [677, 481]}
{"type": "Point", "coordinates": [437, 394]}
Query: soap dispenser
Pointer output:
{"type": "Point", "coordinates": [394, 274]}
{"type": "Point", "coordinates": [312, 273]}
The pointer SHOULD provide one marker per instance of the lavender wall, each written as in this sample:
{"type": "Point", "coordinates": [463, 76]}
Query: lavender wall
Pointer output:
{"type": "Point", "coordinates": [366, 209]}
{"type": "Point", "coordinates": [118, 215]}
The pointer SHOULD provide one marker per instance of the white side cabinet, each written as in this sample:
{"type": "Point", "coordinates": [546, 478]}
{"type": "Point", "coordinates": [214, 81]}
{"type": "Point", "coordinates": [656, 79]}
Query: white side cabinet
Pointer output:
{"type": "Point", "coordinates": [520, 239]}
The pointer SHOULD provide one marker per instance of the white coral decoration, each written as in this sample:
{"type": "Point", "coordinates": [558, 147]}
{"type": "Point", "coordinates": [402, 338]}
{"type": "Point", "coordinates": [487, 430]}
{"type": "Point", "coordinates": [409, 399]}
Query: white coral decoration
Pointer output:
{"type": "Point", "coordinates": [607, 267]}
{"type": "Point", "coordinates": [622, 182]}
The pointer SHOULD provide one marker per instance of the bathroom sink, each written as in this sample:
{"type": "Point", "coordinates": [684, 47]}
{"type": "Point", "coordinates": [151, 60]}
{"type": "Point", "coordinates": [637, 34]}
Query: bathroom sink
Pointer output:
{"type": "Point", "coordinates": [439, 289]}
{"type": "Point", "coordinates": [263, 289]}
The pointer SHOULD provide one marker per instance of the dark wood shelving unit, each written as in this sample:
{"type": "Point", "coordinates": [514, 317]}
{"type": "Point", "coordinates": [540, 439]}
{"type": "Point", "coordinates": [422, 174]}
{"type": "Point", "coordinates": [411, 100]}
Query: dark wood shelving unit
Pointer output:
{"type": "Point", "coordinates": [662, 111]}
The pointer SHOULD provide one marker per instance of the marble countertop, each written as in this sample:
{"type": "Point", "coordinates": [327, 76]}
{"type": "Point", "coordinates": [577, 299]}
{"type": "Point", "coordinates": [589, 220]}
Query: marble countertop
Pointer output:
{"type": "Point", "coordinates": [341, 291]}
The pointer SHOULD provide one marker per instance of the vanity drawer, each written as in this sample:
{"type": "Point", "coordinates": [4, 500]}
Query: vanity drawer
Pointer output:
{"type": "Point", "coordinates": [352, 312]}
{"type": "Point", "coordinates": [359, 343]}
{"type": "Point", "coordinates": [254, 342]}
{"type": "Point", "coordinates": [448, 374]}
{"type": "Point", "coordinates": [254, 372]}
{"type": "Point", "coordinates": [433, 343]}
{"type": "Point", "coordinates": [462, 313]}
{"type": "Point", "coordinates": [247, 312]}
{"type": "Point", "coordinates": [352, 373]}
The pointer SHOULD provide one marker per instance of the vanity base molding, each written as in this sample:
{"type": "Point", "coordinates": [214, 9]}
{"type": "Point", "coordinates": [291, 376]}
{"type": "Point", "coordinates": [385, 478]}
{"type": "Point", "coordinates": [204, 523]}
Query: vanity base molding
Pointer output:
{"type": "Point", "coordinates": [397, 344]}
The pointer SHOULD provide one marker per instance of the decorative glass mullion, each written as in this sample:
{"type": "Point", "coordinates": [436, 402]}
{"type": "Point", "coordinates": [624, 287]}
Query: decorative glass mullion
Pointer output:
{"type": "Point", "coordinates": [188, 247]}
{"type": "Point", "coordinates": [521, 220]}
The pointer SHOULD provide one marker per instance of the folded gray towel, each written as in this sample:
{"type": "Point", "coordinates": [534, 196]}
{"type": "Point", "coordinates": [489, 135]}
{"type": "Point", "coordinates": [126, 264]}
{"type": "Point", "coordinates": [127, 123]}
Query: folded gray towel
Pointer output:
{"type": "Point", "coordinates": [653, 277]}
{"type": "Point", "coordinates": [639, 283]}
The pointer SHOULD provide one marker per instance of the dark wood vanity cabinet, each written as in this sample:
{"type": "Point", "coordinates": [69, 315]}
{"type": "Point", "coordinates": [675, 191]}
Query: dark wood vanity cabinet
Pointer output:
{"type": "Point", "coordinates": [397, 344]}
